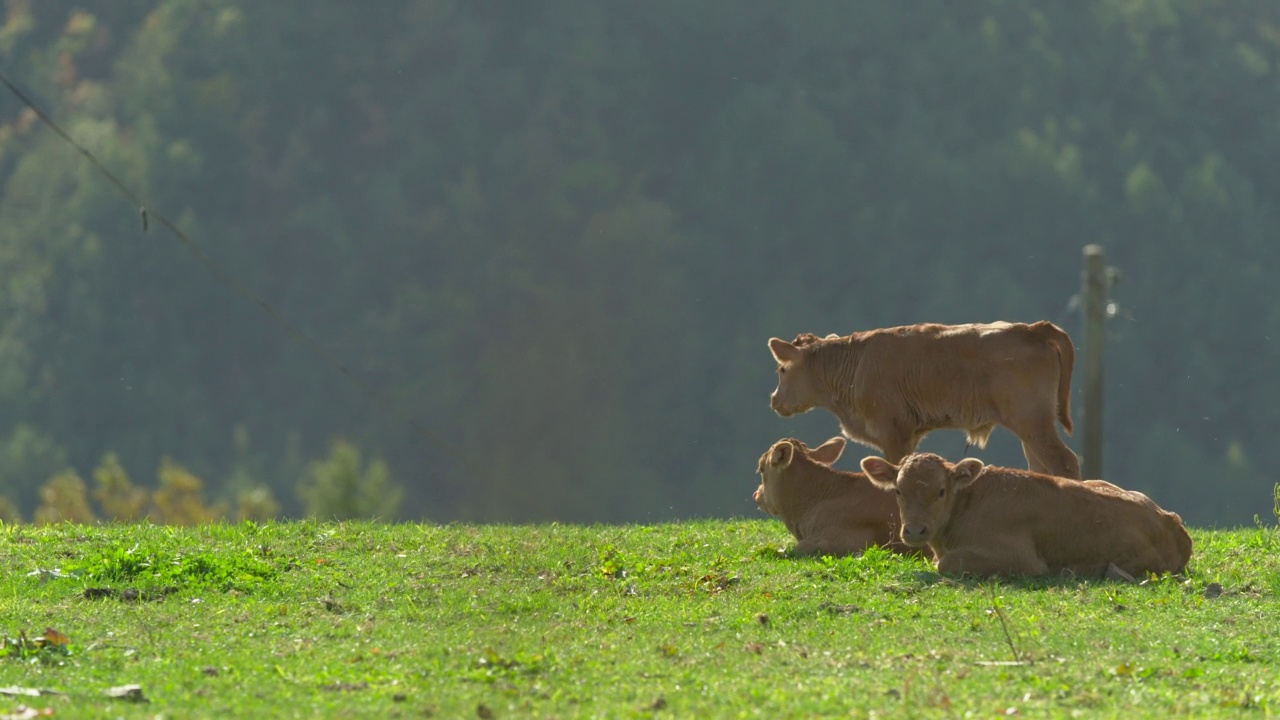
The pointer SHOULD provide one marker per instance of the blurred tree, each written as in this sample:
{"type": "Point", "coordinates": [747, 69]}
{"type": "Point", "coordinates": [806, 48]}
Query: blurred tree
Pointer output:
{"type": "Point", "coordinates": [342, 487]}
{"type": "Point", "coordinates": [9, 513]}
{"type": "Point", "coordinates": [179, 498]}
{"type": "Point", "coordinates": [119, 498]}
{"type": "Point", "coordinates": [256, 503]}
{"type": "Point", "coordinates": [64, 499]}
{"type": "Point", "coordinates": [28, 458]}
{"type": "Point", "coordinates": [253, 499]}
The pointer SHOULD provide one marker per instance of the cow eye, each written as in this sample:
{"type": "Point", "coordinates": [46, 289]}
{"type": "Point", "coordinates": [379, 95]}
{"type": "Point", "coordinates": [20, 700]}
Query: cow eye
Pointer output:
{"type": "Point", "coordinates": [942, 492]}
{"type": "Point", "coordinates": [897, 492]}
{"type": "Point", "coordinates": [782, 370]}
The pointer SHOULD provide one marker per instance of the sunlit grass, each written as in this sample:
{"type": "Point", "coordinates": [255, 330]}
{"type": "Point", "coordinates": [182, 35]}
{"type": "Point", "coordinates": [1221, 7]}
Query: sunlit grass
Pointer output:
{"type": "Point", "coordinates": [700, 619]}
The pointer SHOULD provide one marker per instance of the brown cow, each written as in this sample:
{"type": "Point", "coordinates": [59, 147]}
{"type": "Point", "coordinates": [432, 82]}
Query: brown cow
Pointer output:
{"type": "Point", "coordinates": [1000, 521]}
{"type": "Point", "coordinates": [891, 387]}
{"type": "Point", "coordinates": [828, 511]}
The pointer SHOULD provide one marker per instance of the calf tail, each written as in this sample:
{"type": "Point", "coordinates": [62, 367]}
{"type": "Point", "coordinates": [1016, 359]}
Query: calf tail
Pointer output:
{"type": "Point", "coordinates": [1061, 342]}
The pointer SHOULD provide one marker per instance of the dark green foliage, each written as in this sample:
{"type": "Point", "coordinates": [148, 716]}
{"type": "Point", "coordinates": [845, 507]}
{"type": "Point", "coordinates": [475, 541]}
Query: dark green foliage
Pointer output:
{"type": "Point", "coordinates": [558, 233]}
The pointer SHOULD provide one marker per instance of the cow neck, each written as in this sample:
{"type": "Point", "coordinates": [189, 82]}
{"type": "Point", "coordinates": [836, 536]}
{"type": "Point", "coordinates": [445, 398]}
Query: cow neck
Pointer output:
{"type": "Point", "coordinates": [803, 490]}
{"type": "Point", "coordinates": [837, 365]}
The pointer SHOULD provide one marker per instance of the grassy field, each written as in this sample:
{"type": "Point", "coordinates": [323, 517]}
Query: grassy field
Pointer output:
{"type": "Point", "coordinates": [701, 619]}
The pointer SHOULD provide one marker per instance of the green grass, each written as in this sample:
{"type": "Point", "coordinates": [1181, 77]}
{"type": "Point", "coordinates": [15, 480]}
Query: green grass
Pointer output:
{"type": "Point", "coordinates": [701, 619]}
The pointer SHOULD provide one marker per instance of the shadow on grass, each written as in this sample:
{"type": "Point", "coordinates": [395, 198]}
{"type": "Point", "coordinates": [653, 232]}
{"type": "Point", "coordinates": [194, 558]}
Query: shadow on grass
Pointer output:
{"type": "Point", "coordinates": [1046, 582]}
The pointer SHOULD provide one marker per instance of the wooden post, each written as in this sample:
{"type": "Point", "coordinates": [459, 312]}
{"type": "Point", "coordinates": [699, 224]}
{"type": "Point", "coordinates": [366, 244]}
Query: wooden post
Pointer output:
{"type": "Point", "coordinates": [1095, 318]}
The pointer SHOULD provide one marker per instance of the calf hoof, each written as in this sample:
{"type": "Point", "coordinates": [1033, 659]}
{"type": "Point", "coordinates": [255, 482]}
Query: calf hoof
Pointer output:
{"type": "Point", "coordinates": [1115, 573]}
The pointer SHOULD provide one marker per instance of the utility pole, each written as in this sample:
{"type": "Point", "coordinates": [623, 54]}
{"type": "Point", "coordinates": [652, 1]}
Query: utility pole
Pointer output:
{"type": "Point", "coordinates": [1096, 283]}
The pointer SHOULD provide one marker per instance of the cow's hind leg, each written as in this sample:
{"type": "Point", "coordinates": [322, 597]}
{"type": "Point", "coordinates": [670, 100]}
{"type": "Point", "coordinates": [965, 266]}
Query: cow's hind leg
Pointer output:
{"type": "Point", "coordinates": [1033, 461]}
{"type": "Point", "coordinates": [1154, 557]}
{"type": "Point", "coordinates": [1055, 457]}
{"type": "Point", "coordinates": [1046, 452]}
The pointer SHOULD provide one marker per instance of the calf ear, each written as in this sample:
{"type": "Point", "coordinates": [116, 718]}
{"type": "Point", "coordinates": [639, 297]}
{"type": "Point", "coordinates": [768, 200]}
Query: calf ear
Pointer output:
{"type": "Point", "coordinates": [882, 473]}
{"type": "Point", "coordinates": [783, 351]}
{"type": "Point", "coordinates": [780, 456]}
{"type": "Point", "coordinates": [828, 452]}
{"type": "Point", "coordinates": [966, 471]}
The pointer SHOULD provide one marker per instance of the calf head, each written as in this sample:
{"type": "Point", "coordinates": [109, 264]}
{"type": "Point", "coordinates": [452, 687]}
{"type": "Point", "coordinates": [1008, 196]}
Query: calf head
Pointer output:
{"type": "Point", "coordinates": [926, 486]}
{"type": "Point", "coordinates": [781, 461]}
{"type": "Point", "coordinates": [797, 390]}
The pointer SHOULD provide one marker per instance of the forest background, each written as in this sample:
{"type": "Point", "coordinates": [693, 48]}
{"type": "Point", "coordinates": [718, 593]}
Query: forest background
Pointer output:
{"type": "Point", "coordinates": [558, 234]}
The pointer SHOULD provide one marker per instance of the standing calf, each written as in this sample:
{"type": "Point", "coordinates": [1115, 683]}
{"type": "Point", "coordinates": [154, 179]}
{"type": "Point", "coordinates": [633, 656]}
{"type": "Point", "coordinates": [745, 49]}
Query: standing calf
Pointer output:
{"type": "Point", "coordinates": [999, 521]}
{"type": "Point", "coordinates": [891, 387]}
{"type": "Point", "coordinates": [828, 511]}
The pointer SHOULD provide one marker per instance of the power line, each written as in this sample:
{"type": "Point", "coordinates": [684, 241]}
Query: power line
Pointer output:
{"type": "Point", "coordinates": [226, 278]}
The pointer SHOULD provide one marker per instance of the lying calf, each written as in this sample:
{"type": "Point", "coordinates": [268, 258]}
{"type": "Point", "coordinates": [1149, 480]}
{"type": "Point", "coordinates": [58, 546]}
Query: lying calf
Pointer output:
{"type": "Point", "coordinates": [829, 512]}
{"type": "Point", "coordinates": [1000, 521]}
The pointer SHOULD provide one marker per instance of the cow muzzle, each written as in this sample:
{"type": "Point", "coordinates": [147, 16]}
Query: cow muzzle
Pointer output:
{"type": "Point", "coordinates": [758, 496]}
{"type": "Point", "coordinates": [915, 533]}
{"type": "Point", "coordinates": [779, 408]}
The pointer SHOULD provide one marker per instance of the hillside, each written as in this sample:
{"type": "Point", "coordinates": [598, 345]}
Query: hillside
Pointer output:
{"type": "Point", "coordinates": [697, 619]}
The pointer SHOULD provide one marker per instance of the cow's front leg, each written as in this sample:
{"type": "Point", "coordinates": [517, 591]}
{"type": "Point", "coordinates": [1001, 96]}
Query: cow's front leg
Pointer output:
{"type": "Point", "coordinates": [897, 446]}
{"type": "Point", "coordinates": [997, 559]}
{"type": "Point", "coordinates": [835, 543]}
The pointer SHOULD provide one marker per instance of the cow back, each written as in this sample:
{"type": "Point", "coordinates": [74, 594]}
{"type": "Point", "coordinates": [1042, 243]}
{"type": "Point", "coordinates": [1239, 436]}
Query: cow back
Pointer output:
{"type": "Point", "coordinates": [952, 375]}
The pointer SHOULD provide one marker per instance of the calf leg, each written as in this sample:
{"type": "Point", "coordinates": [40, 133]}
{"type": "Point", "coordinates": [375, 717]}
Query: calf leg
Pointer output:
{"type": "Point", "coordinates": [1061, 465]}
{"type": "Point", "coordinates": [1033, 461]}
{"type": "Point", "coordinates": [898, 446]}
{"type": "Point", "coordinates": [835, 544]}
{"type": "Point", "coordinates": [996, 558]}
{"type": "Point", "coordinates": [812, 546]}
{"type": "Point", "coordinates": [1045, 451]}
{"type": "Point", "coordinates": [1054, 456]}
{"type": "Point", "coordinates": [1150, 559]}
